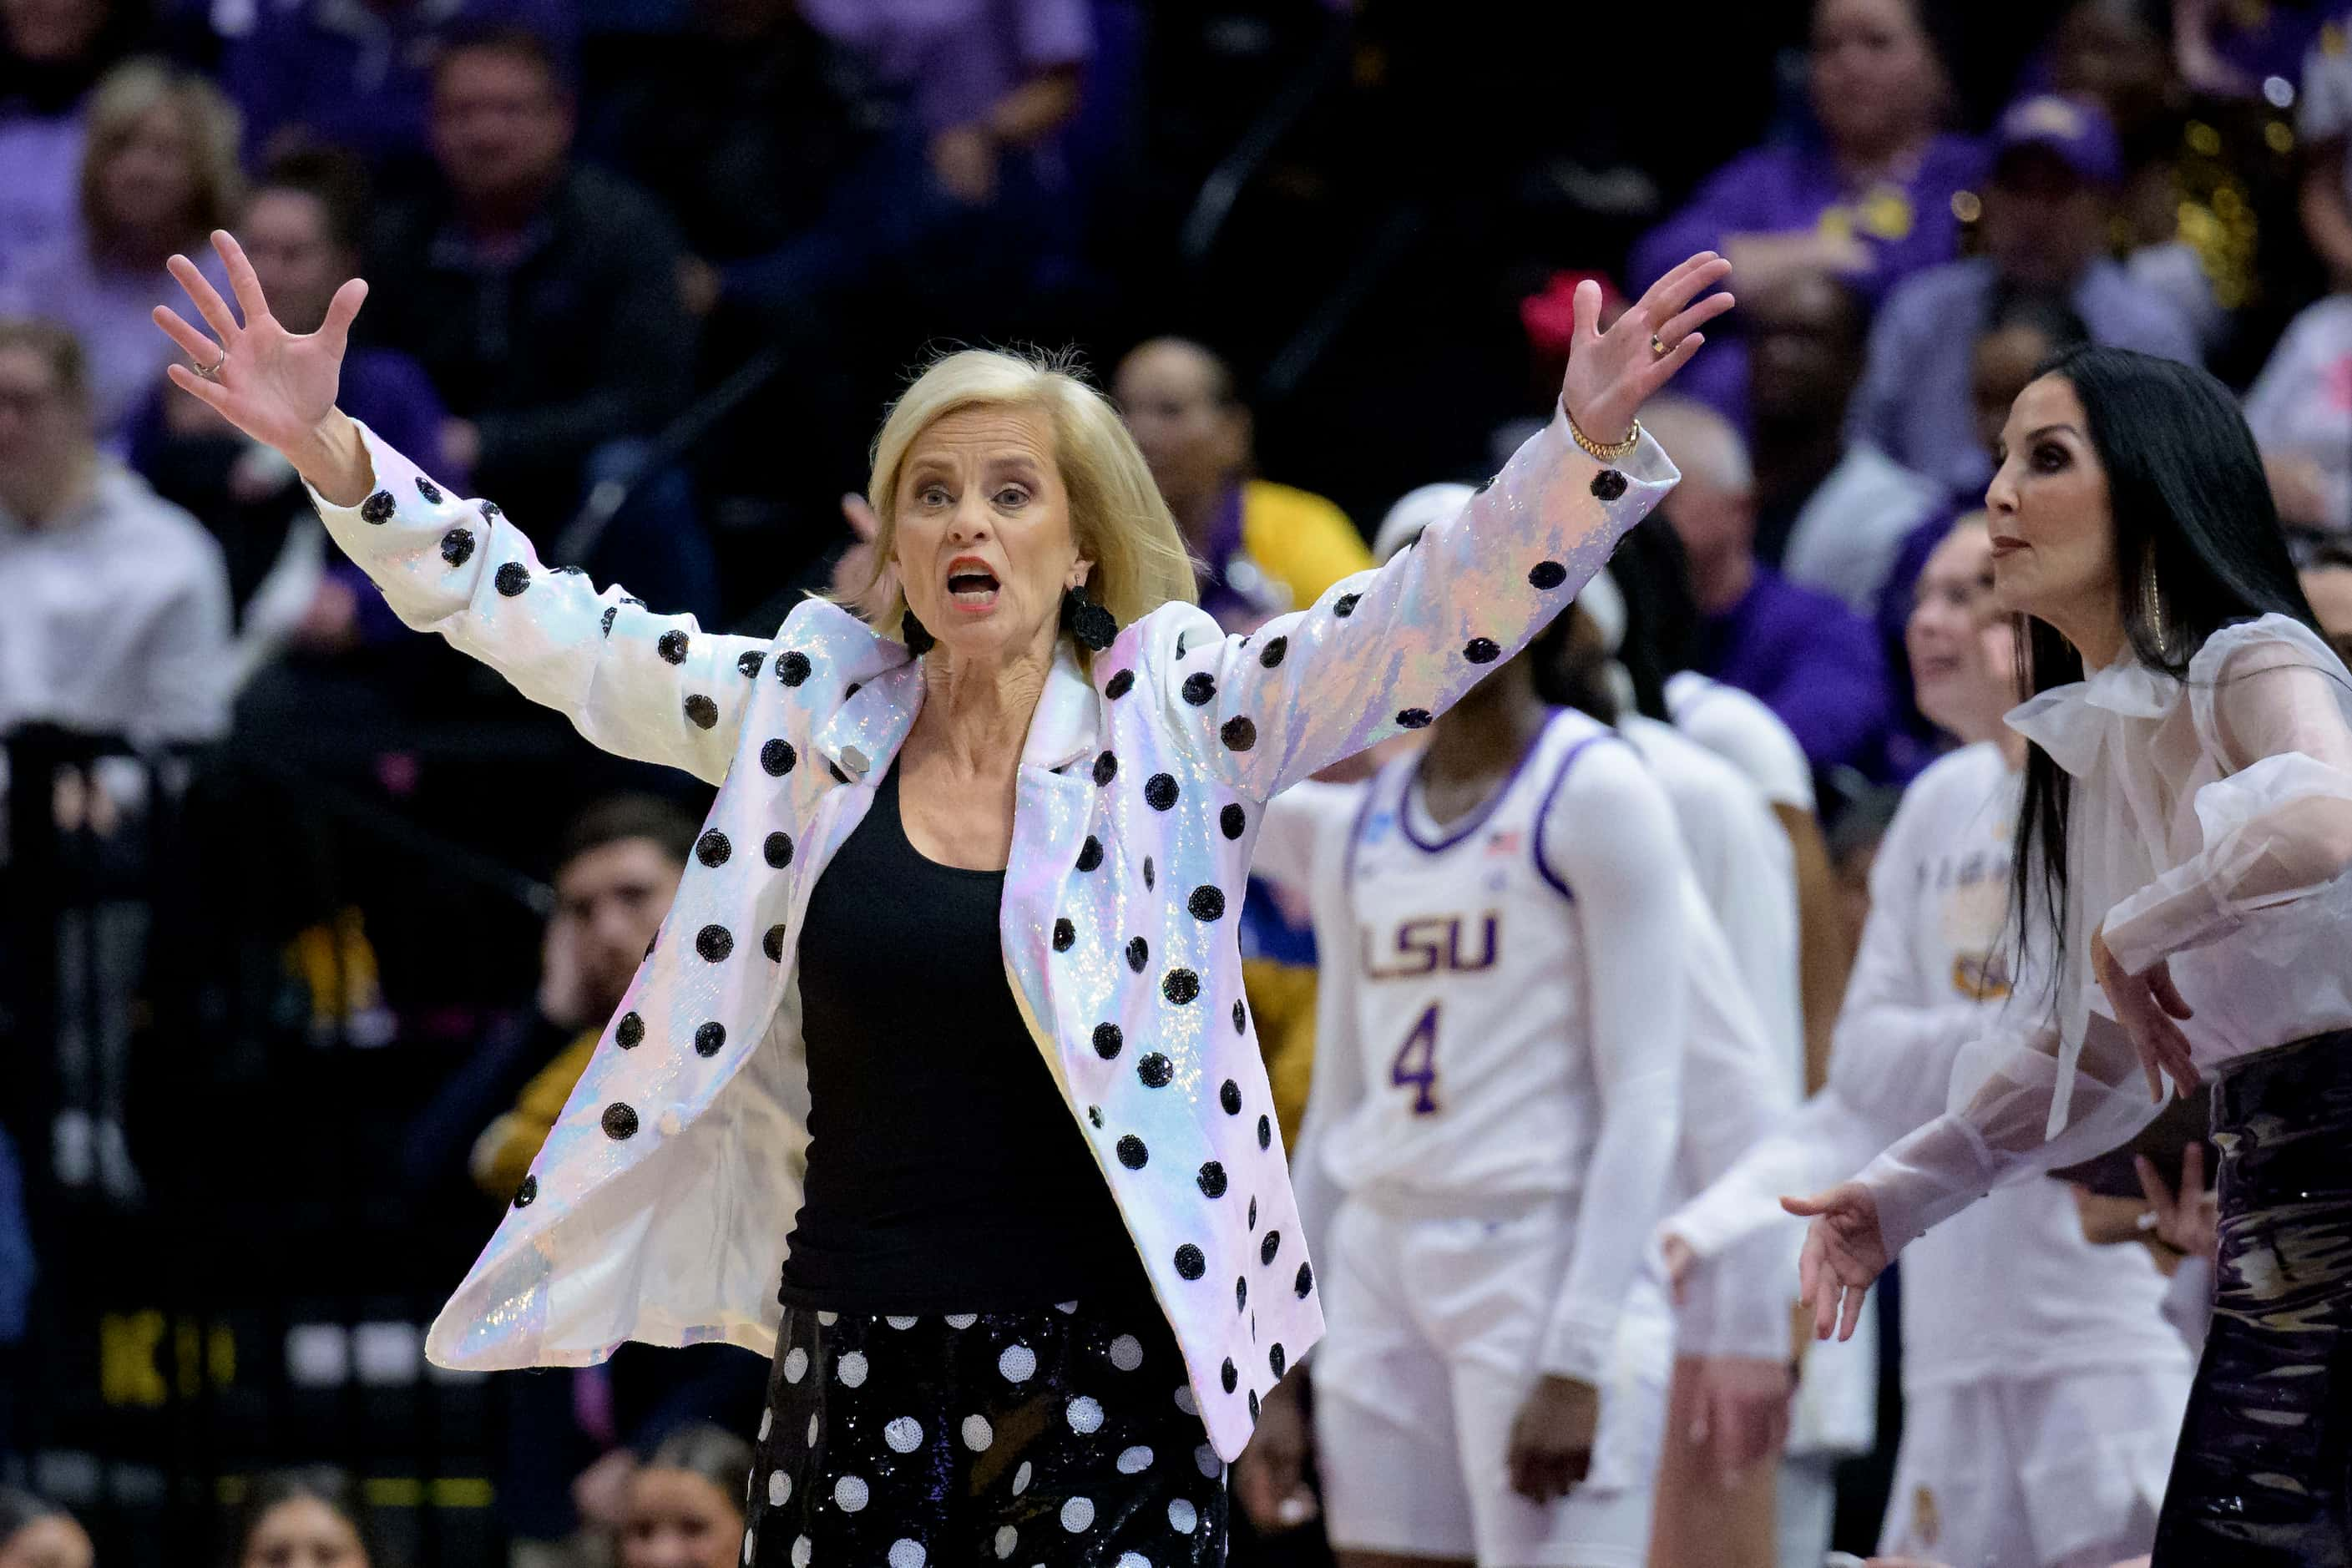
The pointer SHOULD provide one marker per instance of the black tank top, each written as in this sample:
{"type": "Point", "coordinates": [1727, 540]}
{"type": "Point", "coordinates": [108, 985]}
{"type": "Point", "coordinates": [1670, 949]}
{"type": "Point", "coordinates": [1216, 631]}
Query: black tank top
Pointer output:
{"type": "Point", "coordinates": [945, 1173]}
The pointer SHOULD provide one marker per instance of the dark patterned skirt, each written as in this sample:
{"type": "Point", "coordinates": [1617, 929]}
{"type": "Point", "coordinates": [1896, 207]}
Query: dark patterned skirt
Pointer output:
{"type": "Point", "coordinates": [1066, 1438]}
{"type": "Point", "coordinates": [2264, 1475]}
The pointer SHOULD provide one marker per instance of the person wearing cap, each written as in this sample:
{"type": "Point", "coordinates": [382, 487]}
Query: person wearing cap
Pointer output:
{"type": "Point", "coordinates": [2056, 169]}
{"type": "Point", "coordinates": [1264, 548]}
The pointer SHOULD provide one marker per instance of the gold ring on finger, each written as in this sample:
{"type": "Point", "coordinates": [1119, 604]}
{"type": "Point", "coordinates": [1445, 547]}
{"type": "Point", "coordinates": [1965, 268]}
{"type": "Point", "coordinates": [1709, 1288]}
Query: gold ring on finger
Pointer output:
{"type": "Point", "coordinates": [1658, 346]}
{"type": "Point", "coordinates": [212, 371]}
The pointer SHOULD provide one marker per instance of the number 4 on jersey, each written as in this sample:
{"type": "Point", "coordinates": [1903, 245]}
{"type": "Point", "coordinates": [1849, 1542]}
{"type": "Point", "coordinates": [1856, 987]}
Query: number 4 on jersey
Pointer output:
{"type": "Point", "coordinates": [1416, 1064]}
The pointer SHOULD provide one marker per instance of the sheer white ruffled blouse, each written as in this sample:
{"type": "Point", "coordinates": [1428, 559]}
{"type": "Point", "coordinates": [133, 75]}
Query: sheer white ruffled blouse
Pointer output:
{"type": "Point", "coordinates": [2210, 826]}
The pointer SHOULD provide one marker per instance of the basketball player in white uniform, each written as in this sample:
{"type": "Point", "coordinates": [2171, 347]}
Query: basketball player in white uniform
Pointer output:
{"type": "Point", "coordinates": [2041, 1397]}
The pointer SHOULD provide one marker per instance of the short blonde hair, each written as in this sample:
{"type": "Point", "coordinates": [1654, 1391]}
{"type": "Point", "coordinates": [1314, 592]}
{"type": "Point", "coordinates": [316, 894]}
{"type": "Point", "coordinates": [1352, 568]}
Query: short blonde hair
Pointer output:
{"type": "Point", "coordinates": [125, 96]}
{"type": "Point", "coordinates": [1117, 515]}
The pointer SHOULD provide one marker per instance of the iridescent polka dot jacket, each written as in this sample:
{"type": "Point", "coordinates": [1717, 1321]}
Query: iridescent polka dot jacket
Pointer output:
{"type": "Point", "coordinates": [659, 1207]}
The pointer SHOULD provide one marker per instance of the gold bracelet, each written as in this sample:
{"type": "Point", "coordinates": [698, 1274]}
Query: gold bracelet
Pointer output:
{"type": "Point", "coordinates": [1613, 450]}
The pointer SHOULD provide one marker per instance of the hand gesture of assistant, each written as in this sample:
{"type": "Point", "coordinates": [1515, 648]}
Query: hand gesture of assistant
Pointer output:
{"type": "Point", "coordinates": [1611, 374]}
{"type": "Point", "coordinates": [1844, 1253]}
{"type": "Point", "coordinates": [276, 386]}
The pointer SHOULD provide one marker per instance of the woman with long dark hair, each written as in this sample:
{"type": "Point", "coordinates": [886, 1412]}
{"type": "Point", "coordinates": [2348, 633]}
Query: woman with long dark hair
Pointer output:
{"type": "Point", "coordinates": [2185, 829]}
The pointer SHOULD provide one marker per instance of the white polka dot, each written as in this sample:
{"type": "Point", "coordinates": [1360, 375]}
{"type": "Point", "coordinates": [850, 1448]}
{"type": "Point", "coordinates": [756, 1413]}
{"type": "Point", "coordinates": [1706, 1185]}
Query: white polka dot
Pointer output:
{"type": "Point", "coordinates": [1007, 1538]}
{"type": "Point", "coordinates": [1186, 1402]}
{"type": "Point", "coordinates": [802, 1549]}
{"type": "Point", "coordinates": [1133, 1560]}
{"type": "Point", "coordinates": [1206, 1459]}
{"type": "Point", "coordinates": [811, 1442]}
{"type": "Point", "coordinates": [767, 1420]}
{"type": "Point", "coordinates": [828, 1319]}
{"type": "Point", "coordinates": [904, 1554]}
{"type": "Point", "coordinates": [850, 1370]}
{"type": "Point", "coordinates": [1018, 1364]}
{"type": "Point", "coordinates": [1182, 1516]}
{"type": "Point", "coordinates": [849, 1494]}
{"type": "Point", "coordinates": [978, 1433]}
{"type": "Point", "coordinates": [1020, 1479]}
{"type": "Point", "coordinates": [780, 1489]}
{"type": "Point", "coordinates": [1065, 1308]}
{"type": "Point", "coordinates": [750, 1537]}
{"type": "Point", "coordinates": [1085, 1416]}
{"type": "Point", "coordinates": [960, 1320]}
{"type": "Point", "coordinates": [904, 1434]}
{"type": "Point", "coordinates": [902, 1323]}
{"type": "Point", "coordinates": [795, 1364]}
{"type": "Point", "coordinates": [1135, 1461]}
{"type": "Point", "coordinates": [1078, 1514]}
{"type": "Point", "coordinates": [1127, 1352]}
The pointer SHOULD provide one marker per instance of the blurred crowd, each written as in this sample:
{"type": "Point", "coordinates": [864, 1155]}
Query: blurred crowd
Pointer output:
{"type": "Point", "coordinates": [644, 271]}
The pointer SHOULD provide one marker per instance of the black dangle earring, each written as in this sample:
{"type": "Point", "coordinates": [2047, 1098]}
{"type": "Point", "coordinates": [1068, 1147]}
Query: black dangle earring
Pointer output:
{"type": "Point", "coordinates": [1086, 621]}
{"type": "Point", "coordinates": [914, 633]}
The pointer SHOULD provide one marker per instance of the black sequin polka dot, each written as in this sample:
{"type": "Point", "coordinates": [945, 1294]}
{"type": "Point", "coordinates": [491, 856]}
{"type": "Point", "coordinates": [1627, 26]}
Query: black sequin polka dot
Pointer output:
{"type": "Point", "coordinates": [1482, 650]}
{"type": "Point", "coordinates": [610, 611]}
{"type": "Point", "coordinates": [492, 511]}
{"type": "Point", "coordinates": [1065, 934]}
{"type": "Point", "coordinates": [1212, 1180]}
{"type": "Point", "coordinates": [1304, 1282]}
{"type": "Point", "coordinates": [571, 571]}
{"type": "Point", "coordinates": [778, 758]}
{"type": "Point", "coordinates": [714, 942]}
{"type": "Point", "coordinates": [1270, 656]}
{"type": "Point", "coordinates": [773, 944]}
{"type": "Point", "coordinates": [1106, 769]}
{"type": "Point", "coordinates": [1238, 733]}
{"type": "Point", "coordinates": [1233, 821]}
{"type": "Point", "coordinates": [1206, 903]}
{"type": "Point", "coordinates": [1183, 640]}
{"type": "Point", "coordinates": [748, 661]}
{"type": "Point", "coordinates": [1149, 876]}
{"type": "Point", "coordinates": [1240, 1295]}
{"type": "Point", "coordinates": [778, 849]}
{"type": "Point", "coordinates": [712, 849]}
{"type": "Point", "coordinates": [1413, 718]}
{"type": "Point", "coordinates": [838, 776]}
{"type": "Point", "coordinates": [630, 1032]}
{"type": "Point", "coordinates": [428, 489]}
{"type": "Point", "coordinates": [710, 1038]}
{"type": "Point", "coordinates": [512, 578]}
{"type": "Point", "coordinates": [702, 712]}
{"type": "Point", "coordinates": [1230, 1097]}
{"type": "Point", "coordinates": [792, 667]}
{"type": "Point", "coordinates": [1108, 1040]}
{"type": "Point", "coordinates": [1180, 986]}
{"type": "Point", "coordinates": [671, 645]}
{"type": "Point", "coordinates": [1090, 854]}
{"type": "Point", "coordinates": [457, 546]}
{"type": "Point", "coordinates": [620, 1121]}
{"type": "Point", "coordinates": [1269, 1247]}
{"type": "Point", "coordinates": [1230, 1375]}
{"type": "Point", "coordinates": [1241, 1019]}
{"type": "Point", "coordinates": [1132, 1153]}
{"type": "Point", "coordinates": [1608, 484]}
{"type": "Point", "coordinates": [1094, 1114]}
{"type": "Point", "coordinates": [1139, 953]}
{"type": "Point", "coordinates": [1547, 574]}
{"type": "Point", "coordinates": [1276, 1360]}
{"type": "Point", "coordinates": [1345, 605]}
{"type": "Point", "coordinates": [1160, 792]}
{"type": "Point", "coordinates": [854, 687]}
{"type": "Point", "coordinates": [527, 1193]}
{"type": "Point", "coordinates": [1119, 685]}
{"type": "Point", "coordinates": [1265, 1132]}
{"type": "Point", "coordinates": [379, 507]}
{"type": "Point", "coordinates": [1253, 1404]}
{"type": "Point", "coordinates": [1201, 690]}
{"type": "Point", "coordinates": [633, 599]}
{"type": "Point", "coordinates": [1155, 1070]}
{"type": "Point", "coordinates": [1190, 1264]}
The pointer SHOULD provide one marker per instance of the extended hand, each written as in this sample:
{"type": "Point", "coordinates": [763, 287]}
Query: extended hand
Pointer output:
{"type": "Point", "coordinates": [1611, 374]}
{"type": "Point", "coordinates": [1844, 1253]}
{"type": "Point", "coordinates": [1551, 1441]}
{"type": "Point", "coordinates": [1743, 1411]}
{"type": "Point", "coordinates": [1270, 1477]}
{"type": "Point", "coordinates": [277, 386]}
{"type": "Point", "coordinates": [2188, 1221]}
{"type": "Point", "coordinates": [2146, 1006]}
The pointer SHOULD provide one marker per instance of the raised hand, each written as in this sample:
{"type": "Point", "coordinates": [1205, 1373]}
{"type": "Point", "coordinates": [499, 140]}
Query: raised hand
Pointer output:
{"type": "Point", "coordinates": [1611, 374]}
{"type": "Point", "coordinates": [2148, 1006]}
{"type": "Point", "coordinates": [1844, 1253]}
{"type": "Point", "coordinates": [277, 386]}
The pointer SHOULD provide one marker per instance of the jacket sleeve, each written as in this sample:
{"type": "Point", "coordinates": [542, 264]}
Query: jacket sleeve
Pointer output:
{"type": "Point", "coordinates": [653, 687]}
{"type": "Point", "coordinates": [1389, 649]}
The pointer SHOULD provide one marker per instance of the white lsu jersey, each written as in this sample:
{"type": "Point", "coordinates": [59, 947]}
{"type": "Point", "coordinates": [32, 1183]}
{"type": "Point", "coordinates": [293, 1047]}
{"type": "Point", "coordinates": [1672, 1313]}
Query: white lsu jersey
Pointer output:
{"type": "Point", "coordinates": [1477, 1095]}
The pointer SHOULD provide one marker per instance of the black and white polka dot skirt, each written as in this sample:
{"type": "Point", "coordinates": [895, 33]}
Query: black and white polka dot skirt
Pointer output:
{"type": "Point", "coordinates": [1066, 1438]}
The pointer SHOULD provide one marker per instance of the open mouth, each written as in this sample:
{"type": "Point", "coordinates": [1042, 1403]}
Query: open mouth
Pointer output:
{"type": "Point", "coordinates": [971, 585]}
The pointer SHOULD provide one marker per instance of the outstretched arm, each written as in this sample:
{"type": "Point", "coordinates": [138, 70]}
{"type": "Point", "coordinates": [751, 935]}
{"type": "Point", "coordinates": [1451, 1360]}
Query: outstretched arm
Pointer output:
{"type": "Point", "coordinates": [648, 686]}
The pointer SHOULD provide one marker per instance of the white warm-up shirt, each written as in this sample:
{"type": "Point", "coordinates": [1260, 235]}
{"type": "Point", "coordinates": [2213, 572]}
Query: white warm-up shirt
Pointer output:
{"type": "Point", "coordinates": [1737, 727]}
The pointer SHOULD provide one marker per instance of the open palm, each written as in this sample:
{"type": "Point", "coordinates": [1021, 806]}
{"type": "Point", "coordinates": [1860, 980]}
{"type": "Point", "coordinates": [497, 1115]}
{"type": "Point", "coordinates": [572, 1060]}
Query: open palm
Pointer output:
{"type": "Point", "coordinates": [275, 385]}
{"type": "Point", "coordinates": [1611, 374]}
{"type": "Point", "coordinates": [1844, 1251]}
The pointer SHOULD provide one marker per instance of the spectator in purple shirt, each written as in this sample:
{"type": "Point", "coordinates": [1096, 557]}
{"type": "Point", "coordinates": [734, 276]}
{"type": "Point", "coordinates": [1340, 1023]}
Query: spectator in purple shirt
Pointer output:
{"type": "Point", "coordinates": [1872, 200]}
{"type": "Point", "coordinates": [1812, 661]}
{"type": "Point", "coordinates": [2045, 233]}
{"type": "Point", "coordinates": [51, 53]}
{"type": "Point", "coordinates": [357, 74]}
